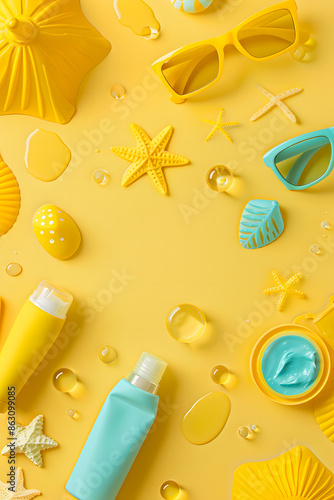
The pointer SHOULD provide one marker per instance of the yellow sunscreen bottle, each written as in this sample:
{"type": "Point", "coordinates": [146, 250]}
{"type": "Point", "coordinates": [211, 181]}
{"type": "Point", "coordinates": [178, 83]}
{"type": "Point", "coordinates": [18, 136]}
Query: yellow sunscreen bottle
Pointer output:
{"type": "Point", "coordinates": [32, 335]}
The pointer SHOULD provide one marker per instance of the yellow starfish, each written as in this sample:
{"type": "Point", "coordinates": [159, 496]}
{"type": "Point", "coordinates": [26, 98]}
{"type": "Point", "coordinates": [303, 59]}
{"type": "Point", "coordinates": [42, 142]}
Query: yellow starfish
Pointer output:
{"type": "Point", "coordinates": [284, 288]}
{"type": "Point", "coordinates": [149, 157]}
{"type": "Point", "coordinates": [276, 100]}
{"type": "Point", "coordinates": [30, 440]}
{"type": "Point", "coordinates": [20, 492]}
{"type": "Point", "coordinates": [220, 126]}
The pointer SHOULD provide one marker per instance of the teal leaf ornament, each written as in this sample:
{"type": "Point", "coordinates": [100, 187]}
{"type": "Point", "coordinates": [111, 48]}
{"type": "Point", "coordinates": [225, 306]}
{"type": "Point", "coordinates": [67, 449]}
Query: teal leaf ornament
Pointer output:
{"type": "Point", "coordinates": [261, 223]}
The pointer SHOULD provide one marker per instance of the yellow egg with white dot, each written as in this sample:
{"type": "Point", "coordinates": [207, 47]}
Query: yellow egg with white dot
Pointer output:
{"type": "Point", "coordinates": [56, 231]}
{"type": "Point", "coordinates": [191, 6]}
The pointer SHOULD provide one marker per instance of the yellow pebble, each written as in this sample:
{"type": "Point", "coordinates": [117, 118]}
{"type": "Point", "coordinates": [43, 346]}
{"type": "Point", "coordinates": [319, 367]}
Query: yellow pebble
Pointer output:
{"type": "Point", "coordinates": [56, 231]}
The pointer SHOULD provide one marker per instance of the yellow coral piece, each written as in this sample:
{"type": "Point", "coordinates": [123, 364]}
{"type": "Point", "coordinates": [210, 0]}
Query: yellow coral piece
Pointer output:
{"type": "Point", "coordinates": [10, 198]}
{"type": "Point", "coordinates": [31, 441]}
{"type": "Point", "coordinates": [20, 493]}
{"type": "Point", "coordinates": [149, 157]}
{"type": "Point", "coordinates": [276, 100]}
{"type": "Point", "coordinates": [297, 474]}
{"type": "Point", "coordinates": [46, 49]}
{"type": "Point", "coordinates": [324, 410]}
{"type": "Point", "coordinates": [219, 126]}
{"type": "Point", "coordinates": [284, 288]}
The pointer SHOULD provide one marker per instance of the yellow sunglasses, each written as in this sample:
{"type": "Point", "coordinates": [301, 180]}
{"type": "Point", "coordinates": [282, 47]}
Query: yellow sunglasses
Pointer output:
{"type": "Point", "coordinates": [196, 67]}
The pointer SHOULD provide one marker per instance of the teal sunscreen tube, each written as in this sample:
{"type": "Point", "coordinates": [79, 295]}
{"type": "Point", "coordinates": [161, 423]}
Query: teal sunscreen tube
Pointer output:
{"type": "Point", "coordinates": [118, 433]}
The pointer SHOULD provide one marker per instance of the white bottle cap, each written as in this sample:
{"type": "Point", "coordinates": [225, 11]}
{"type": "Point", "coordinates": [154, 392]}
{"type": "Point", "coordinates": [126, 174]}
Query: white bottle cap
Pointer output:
{"type": "Point", "coordinates": [52, 300]}
{"type": "Point", "coordinates": [151, 368]}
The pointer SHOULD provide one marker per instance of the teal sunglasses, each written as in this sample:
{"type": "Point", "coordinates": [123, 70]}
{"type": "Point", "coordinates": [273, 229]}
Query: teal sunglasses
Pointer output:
{"type": "Point", "coordinates": [303, 161]}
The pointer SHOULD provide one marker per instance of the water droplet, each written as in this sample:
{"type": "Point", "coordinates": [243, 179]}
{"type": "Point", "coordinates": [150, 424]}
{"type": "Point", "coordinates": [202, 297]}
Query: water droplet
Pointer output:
{"type": "Point", "coordinates": [170, 490]}
{"type": "Point", "coordinates": [186, 323]}
{"type": "Point", "coordinates": [14, 269]}
{"type": "Point", "coordinates": [117, 91]}
{"type": "Point", "coordinates": [101, 177]}
{"type": "Point", "coordinates": [219, 178]}
{"type": "Point", "coordinates": [97, 150]}
{"type": "Point", "coordinates": [244, 432]}
{"type": "Point", "coordinates": [16, 253]}
{"type": "Point", "coordinates": [71, 413]}
{"type": "Point", "coordinates": [253, 427]}
{"type": "Point", "coordinates": [247, 321]}
{"type": "Point", "coordinates": [324, 236]}
{"type": "Point", "coordinates": [315, 249]}
{"type": "Point", "coordinates": [206, 418]}
{"type": "Point", "coordinates": [150, 34]}
{"type": "Point", "coordinates": [298, 54]}
{"type": "Point", "coordinates": [220, 374]}
{"type": "Point", "coordinates": [325, 225]}
{"type": "Point", "coordinates": [107, 354]}
{"type": "Point", "coordinates": [64, 380]}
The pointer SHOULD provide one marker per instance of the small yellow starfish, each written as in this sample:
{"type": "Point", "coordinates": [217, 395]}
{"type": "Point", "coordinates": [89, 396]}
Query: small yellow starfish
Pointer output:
{"type": "Point", "coordinates": [20, 493]}
{"type": "Point", "coordinates": [220, 126]}
{"type": "Point", "coordinates": [149, 157]}
{"type": "Point", "coordinates": [284, 288]}
{"type": "Point", "coordinates": [276, 100]}
{"type": "Point", "coordinates": [30, 440]}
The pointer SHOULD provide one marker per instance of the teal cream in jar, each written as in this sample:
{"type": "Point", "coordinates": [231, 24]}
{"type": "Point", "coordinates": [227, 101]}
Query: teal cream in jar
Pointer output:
{"type": "Point", "coordinates": [290, 365]}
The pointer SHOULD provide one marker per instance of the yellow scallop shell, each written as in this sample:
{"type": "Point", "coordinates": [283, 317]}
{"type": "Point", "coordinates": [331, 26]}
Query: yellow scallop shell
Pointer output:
{"type": "Point", "coordinates": [324, 410]}
{"type": "Point", "coordinates": [10, 199]}
{"type": "Point", "coordinates": [297, 474]}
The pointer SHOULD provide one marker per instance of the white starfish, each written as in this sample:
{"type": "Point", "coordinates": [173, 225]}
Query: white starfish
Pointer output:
{"type": "Point", "coordinates": [30, 440]}
{"type": "Point", "coordinates": [20, 492]}
{"type": "Point", "coordinates": [276, 100]}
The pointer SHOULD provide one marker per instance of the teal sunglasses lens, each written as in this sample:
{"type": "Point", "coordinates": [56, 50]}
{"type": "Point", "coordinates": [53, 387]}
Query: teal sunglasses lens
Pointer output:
{"type": "Point", "coordinates": [304, 162]}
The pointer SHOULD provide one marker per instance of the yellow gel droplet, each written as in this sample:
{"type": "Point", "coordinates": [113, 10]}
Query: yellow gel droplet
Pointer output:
{"type": "Point", "coordinates": [14, 269]}
{"type": "Point", "coordinates": [219, 178]}
{"type": "Point", "coordinates": [71, 413]}
{"type": "Point", "coordinates": [101, 177]}
{"type": "Point", "coordinates": [244, 432]}
{"type": "Point", "coordinates": [138, 16]}
{"type": "Point", "coordinates": [64, 380]}
{"type": "Point", "coordinates": [46, 155]}
{"type": "Point", "coordinates": [206, 418]}
{"type": "Point", "coordinates": [117, 91]}
{"type": "Point", "coordinates": [186, 323]}
{"type": "Point", "coordinates": [170, 490]}
{"type": "Point", "coordinates": [220, 374]}
{"type": "Point", "coordinates": [107, 354]}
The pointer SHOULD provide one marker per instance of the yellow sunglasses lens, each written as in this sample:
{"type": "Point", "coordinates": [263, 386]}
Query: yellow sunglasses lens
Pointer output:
{"type": "Point", "coordinates": [269, 34]}
{"type": "Point", "coordinates": [192, 70]}
{"type": "Point", "coordinates": [304, 162]}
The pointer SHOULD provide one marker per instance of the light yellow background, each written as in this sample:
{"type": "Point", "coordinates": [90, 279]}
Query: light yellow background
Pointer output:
{"type": "Point", "coordinates": [172, 258]}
